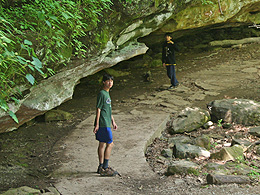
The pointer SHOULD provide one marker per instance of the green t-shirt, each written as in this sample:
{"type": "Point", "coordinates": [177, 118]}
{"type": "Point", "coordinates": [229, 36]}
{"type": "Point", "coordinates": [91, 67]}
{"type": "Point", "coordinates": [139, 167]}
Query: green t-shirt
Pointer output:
{"type": "Point", "coordinates": [104, 104]}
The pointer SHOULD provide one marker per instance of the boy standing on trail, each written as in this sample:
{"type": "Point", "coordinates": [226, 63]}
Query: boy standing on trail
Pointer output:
{"type": "Point", "coordinates": [102, 128]}
{"type": "Point", "coordinates": [168, 59]}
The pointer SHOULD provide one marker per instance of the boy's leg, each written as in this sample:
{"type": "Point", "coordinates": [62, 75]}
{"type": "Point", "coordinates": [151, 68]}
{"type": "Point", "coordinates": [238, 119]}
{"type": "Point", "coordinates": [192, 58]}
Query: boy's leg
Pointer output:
{"type": "Point", "coordinates": [168, 69]}
{"type": "Point", "coordinates": [101, 149]}
{"type": "Point", "coordinates": [107, 154]}
{"type": "Point", "coordinates": [174, 79]}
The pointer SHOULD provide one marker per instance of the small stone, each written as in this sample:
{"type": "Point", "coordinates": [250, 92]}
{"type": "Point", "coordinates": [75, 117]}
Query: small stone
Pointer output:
{"type": "Point", "coordinates": [226, 125]}
{"type": "Point", "coordinates": [208, 124]}
{"type": "Point", "coordinates": [167, 153]}
{"type": "Point", "coordinates": [240, 142]}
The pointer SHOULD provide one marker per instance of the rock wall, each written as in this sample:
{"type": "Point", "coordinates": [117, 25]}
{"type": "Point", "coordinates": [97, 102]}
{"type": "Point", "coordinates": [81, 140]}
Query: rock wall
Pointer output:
{"type": "Point", "coordinates": [148, 19]}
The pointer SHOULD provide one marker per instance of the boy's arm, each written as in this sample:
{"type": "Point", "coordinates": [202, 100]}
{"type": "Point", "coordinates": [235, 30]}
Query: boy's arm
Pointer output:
{"type": "Point", "coordinates": [97, 120]}
{"type": "Point", "coordinates": [114, 123]}
{"type": "Point", "coordinates": [163, 54]}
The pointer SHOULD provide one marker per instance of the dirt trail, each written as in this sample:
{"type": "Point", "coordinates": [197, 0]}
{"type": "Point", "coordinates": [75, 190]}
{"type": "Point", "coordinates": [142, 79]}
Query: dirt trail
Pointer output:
{"type": "Point", "coordinates": [138, 124]}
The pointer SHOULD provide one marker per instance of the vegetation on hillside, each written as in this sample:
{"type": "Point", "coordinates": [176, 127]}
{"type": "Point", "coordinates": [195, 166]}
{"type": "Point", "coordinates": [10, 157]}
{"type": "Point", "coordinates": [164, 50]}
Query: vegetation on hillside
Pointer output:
{"type": "Point", "coordinates": [36, 35]}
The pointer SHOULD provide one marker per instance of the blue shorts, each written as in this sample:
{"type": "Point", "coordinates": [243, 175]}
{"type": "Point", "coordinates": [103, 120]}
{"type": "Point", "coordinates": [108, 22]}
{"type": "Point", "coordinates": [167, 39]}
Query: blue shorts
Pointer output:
{"type": "Point", "coordinates": [104, 134]}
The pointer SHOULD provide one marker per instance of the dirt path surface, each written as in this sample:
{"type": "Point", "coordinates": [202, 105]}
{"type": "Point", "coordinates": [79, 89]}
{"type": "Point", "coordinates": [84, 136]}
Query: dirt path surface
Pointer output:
{"type": "Point", "coordinates": [64, 153]}
{"type": "Point", "coordinates": [139, 125]}
{"type": "Point", "coordinates": [78, 175]}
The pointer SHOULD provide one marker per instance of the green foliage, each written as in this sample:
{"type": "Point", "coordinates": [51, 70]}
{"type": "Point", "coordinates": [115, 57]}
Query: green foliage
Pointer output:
{"type": "Point", "coordinates": [219, 122]}
{"type": "Point", "coordinates": [34, 36]}
{"type": "Point", "coordinates": [213, 145]}
{"type": "Point", "coordinates": [206, 2]}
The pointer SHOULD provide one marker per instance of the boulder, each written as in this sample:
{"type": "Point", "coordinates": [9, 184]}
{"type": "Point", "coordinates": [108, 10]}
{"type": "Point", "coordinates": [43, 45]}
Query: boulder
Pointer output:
{"type": "Point", "coordinates": [180, 139]}
{"type": "Point", "coordinates": [240, 111]}
{"type": "Point", "coordinates": [189, 151]}
{"type": "Point", "coordinates": [188, 120]}
{"type": "Point", "coordinates": [183, 167]}
{"type": "Point", "coordinates": [203, 141]}
{"type": "Point", "coordinates": [229, 153]}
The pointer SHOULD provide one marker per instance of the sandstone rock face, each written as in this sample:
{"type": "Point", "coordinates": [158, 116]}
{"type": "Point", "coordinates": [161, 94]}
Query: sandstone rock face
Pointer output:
{"type": "Point", "coordinates": [137, 19]}
{"type": "Point", "coordinates": [188, 120]}
{"type": "Point", "coordinates": [240, 111]}
{"type": "Point", "coordinates": [54, 91]}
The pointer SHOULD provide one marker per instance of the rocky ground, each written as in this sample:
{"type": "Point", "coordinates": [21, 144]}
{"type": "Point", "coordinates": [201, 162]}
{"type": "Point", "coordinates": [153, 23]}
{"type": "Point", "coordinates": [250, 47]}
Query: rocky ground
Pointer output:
{"type": "Point", "coordinates": [31, 154]}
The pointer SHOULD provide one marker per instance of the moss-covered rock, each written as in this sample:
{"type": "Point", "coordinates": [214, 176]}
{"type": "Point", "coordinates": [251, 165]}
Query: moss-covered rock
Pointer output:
{"type": "Point", "coordinates": [188, 120]}
{"type": "Point", "coordinates": [183, 167]}
{"type": "Point", "coordinates": [240, 111]}
{"type": "Point", "coordinates": [57, 115]}
{"type": "Point", "coordinates": [116, 73]}
{"type": "Point", "coordinates": [203, 141]}
{"type": "Point", "coordinates": [229, 153]}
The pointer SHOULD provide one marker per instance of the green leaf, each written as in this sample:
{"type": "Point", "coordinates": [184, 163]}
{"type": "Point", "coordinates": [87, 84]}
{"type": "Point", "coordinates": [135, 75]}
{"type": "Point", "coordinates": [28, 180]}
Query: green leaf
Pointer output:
{"type": "Point", "coordinates": [30, 78]}
{"type": "Point", "coordinates": [3, 105]}
{"type": "Point", "coordinates": [48, 23]}
{"type": "Point", "coordinates": [40, 15]}
{"type": "Point", "coordinates": [52, 72]}
{"type": "Point", "coordinates": [53, 17]}
{"type": "Point", "coordinates": [13, 116]}
{"type": "Point", "coordinates": [27, 42]}
{"type": "Point", "coordinates": [39, 70]}
{"type": "Point", "coordinates": [31, 67]}
{"type": "Point", "coordinates": [5, 39]}
{"type": "Point", "coordinates": [21, 60]}
{"type": "Point", "coordinates": [66, 16]}
{"type": "Point", "coordinates": [36, 62]}
{"type": "Point", "coordinates": [15, 100]}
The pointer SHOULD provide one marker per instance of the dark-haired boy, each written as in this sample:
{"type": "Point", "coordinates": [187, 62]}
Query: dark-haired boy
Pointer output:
{"type": "Point", "coordinates": [102, 128]}
{"type": "Point", "coordinates": [168, 59]}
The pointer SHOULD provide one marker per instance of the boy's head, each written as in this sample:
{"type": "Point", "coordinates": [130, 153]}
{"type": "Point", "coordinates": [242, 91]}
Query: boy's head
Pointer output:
{"type": "Point", "coordinates": [107, 77]}
{"type": "Point", "coordinates": [108, 81]}
{"type": "Point", "coordinates": [168, 36]}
